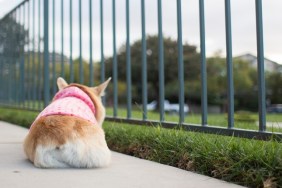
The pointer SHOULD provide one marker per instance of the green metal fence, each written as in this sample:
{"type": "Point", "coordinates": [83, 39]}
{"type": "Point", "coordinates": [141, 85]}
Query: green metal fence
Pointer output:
{"type": "Point", "coordinates": [29, 60]}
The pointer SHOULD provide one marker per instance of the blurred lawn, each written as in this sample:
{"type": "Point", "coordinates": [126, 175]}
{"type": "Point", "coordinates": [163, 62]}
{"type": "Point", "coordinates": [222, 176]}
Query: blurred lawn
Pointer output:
{"type": "Point", "coordinates": [213, 119]}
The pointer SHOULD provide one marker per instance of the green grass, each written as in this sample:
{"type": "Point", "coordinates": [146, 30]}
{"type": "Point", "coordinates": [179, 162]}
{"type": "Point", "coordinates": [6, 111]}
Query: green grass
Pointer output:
{"type": "Point", "coordinates": [19, 117]}
{"type": "Point", "coordinates": [246, 162]}
{"type": "Point", "coordinates": [213, 119]}
{"type": "Point", "coordinates": [242, 161]}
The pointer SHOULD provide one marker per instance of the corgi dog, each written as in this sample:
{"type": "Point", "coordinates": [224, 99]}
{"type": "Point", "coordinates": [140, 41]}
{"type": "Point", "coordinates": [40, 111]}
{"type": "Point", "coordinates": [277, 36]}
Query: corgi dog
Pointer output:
{"type": "Point", "coordinates": [68, 132]}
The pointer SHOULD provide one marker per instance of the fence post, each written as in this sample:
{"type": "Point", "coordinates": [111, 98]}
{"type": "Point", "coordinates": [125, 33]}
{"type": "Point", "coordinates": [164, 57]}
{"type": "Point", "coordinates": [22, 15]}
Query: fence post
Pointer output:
{"type": "Point", "coordinates": [81, 77]}
{"type": "Point", "coordinates": [62, 40]}
{"type": "Point", "coordinates": [229, 65]}
{"type": "Point", "coordinates": [180, 63]}
{"type": "Point", "coordinates": [115, 62]}
{"type": "Point", "coordinates": [204, 97]}
{"type": "Point", "coordinates": [102, 64]}
{"type": "Point", "coordinates": [128, 62]}
{"type": "Point", "coordinates": [260, 65]}
{"type": "Point", "coordinates": [46, 53]}
{"type": "Point", "coordinates": [144, 62]}
{"type": "Point", "coordinates": [161, 62]}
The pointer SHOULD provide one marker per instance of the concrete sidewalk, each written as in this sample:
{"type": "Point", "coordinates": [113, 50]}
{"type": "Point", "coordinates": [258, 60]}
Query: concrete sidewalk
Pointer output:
{"type": "Point", "coordinates": [125, 171]}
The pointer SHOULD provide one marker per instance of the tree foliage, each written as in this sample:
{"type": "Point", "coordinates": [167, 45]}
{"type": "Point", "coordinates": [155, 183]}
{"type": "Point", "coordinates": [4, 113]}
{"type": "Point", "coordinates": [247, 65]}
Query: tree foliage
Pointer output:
{"type": "Point", "coordinates": [12, 38]}
{"type": "Point", "coordinates": [244, 76]}
{"type": "Point", "coordinates": [191, 60]}
{"type": "Point", "coordinates": [274, 87]}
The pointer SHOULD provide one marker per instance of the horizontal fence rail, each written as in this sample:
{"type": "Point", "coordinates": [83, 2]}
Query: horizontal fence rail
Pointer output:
{"type": "Point", "coordinates": [41, 40]}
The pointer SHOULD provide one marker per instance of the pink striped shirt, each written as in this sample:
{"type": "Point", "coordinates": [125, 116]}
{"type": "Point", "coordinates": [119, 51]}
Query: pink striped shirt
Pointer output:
{"type": "Point", "coordinates": [71, 101]}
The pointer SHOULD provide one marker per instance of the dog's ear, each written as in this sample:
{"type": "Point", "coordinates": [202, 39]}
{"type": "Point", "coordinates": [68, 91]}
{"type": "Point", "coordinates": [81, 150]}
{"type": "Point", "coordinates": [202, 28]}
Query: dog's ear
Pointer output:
{"type": "Point", "coordinates": [61, 83]}
{"type": "Point", "coordinates": [100, 89]}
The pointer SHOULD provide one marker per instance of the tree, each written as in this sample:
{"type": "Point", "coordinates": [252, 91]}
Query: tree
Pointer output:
{"type": "Point", "coordinates": [273, 85]}
{"type": "Point", "coordinates": [244, 80]}
{"type": "Point", "coordinates": [191, 60]}
{"type": "Point", "coordinates": [244, 75]}
{"type": "Point", "coordinates": [12, 41]}
{"type": "Point", "coordinates": [12, 37]}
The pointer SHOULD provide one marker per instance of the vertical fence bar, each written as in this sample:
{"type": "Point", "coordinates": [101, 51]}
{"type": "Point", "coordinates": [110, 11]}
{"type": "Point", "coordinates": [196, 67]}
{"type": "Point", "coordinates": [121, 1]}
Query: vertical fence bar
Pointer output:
{"type": "Point", "coordinates": [28, 58]}
{"type": "Point", "coordinates": [5, 86]}
{"type": "Point", "coordinates": [9, 62]}
{"type": "Point", "coordinates": [22, 77]}
{"type": "Point", "coordinates": [46, 53]}
{"type": "Point", "coordinates": [16, 91]}
{"type": "Point", "coordinates": [71, 62]}
{"type": "Point", "coordinates": [9, 67]}
{"type": "Point", "coordinates": [39, 55]}
{"type": "Point", "coordinates": [16, 55]}
{"type": "Point", "coordinates": [11, 71]}
{"type": "Point", "coordinates": [7, 59]}
{"type": "Point", "coordinates": [91, 76]}
{"type": "Point", "coordinates": [204, 100]}
{"type": "Point", "coordinates": [33, 57]}
{"type": "Point", "coordinates": [62, 40]}
{"type": "Point", "coordinates": [80, 46]}
{"type": "Point", "coordinates": [17, 65]}
{"type": "Point", "coordinates": [24, 59]}
{"type": "Point", "coordinates": [21, 69]}
{"type": "Point", "coordinates": [115, 66]}
{"type": "Point", "coordinates": [13, 41]}
{"type": "Point", "coordinates": [260, 65]}
{"type": "Point", "coordinates": [230, 87]}
{"type": "Point", "coordinates": [128, 62]}
{"type": "Point", "coordinates": [54, 53]}
{"type": "Point", "coordinates": [144, 61]}
{"type": "Point", "coordinates": [102, 63]}
{"type": "Point", "coordinates": [5, 65]}
{"type": "Point", "coordinates": [17, 58]}
{"type": "Point", "coordinates": [180, 63]}
{"type": "Point", "coordinates": [161, 62]}
{"type": "Point", "coordinates": [15, 61]}
{"type": "Point", "coordinates": [102, 71]}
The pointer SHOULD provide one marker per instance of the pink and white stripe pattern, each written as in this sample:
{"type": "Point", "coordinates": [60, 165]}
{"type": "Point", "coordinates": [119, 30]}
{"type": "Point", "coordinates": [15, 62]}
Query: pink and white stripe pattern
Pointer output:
{"type": "Point", "coordinates": [71, 101]}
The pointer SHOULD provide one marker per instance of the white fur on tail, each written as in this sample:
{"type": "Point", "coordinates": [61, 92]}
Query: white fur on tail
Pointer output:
{"type": "Point", "coordinates": [72, 154]}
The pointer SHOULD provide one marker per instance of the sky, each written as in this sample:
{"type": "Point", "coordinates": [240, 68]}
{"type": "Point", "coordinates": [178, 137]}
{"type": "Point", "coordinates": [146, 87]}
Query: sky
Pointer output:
{"type": "Point", "coordinates": [242, 14]}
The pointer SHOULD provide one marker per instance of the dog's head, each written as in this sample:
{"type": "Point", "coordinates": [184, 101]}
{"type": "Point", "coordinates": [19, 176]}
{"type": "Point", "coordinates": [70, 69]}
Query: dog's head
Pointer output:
{"type": "Point", "coordinates": [95, 93]}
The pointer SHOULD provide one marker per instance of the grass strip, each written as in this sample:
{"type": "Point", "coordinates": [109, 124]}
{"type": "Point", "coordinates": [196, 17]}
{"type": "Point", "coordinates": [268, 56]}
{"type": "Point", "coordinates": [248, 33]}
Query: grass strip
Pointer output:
{"type": "Point", "coordinates": [246, 162]}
